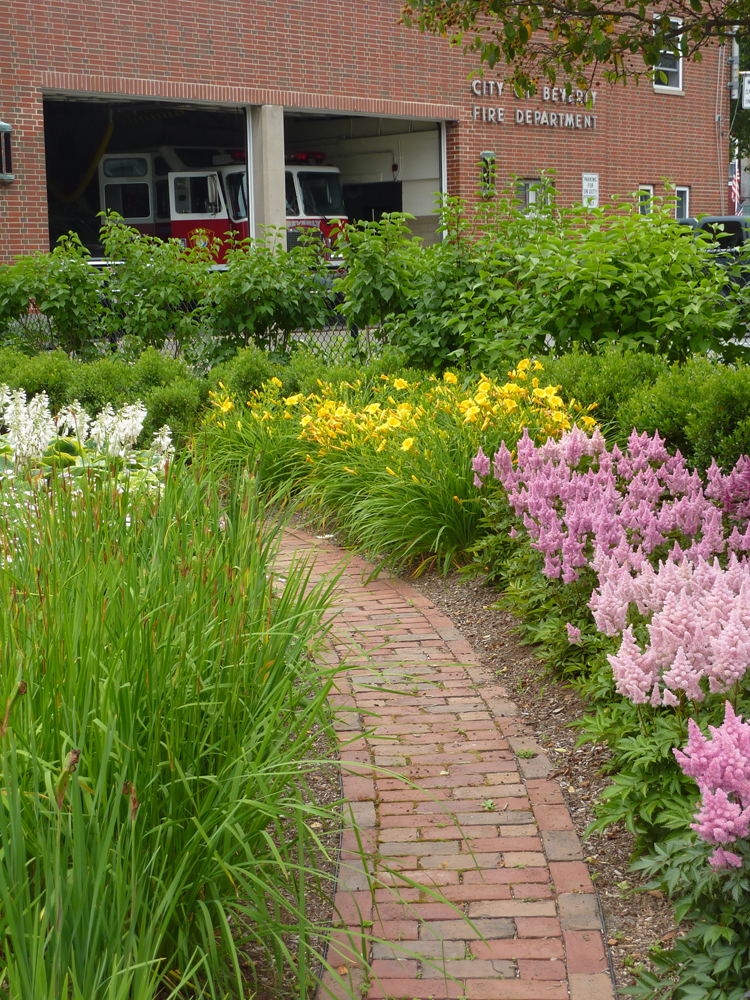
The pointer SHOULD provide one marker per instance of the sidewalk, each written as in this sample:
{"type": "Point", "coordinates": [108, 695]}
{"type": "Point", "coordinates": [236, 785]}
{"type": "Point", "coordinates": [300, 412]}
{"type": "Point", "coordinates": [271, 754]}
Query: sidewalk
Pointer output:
{"type": "Point", "coordinates": [480, 886]}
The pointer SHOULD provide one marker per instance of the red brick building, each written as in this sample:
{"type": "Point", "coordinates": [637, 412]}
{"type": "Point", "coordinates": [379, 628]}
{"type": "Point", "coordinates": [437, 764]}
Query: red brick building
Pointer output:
{"type": "Point", "coordinates": [395, 110]}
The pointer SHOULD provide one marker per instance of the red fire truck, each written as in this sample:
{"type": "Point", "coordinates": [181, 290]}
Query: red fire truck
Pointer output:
{"type": "Point", "coordinates": [199, 196]}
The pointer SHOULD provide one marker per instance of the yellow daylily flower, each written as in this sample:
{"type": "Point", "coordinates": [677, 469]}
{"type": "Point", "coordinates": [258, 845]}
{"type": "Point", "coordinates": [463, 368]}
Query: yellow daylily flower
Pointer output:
{"type": "Point", "coordinates": [400, 383]}
{"type": "Point", "coordinates": [450, 378]}
{"type": "Point", "coordinates": [408, 444]}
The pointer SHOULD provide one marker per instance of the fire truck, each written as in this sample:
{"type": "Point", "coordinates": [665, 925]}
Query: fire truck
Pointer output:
{"type": "Point", "coordinates": [200, 196]}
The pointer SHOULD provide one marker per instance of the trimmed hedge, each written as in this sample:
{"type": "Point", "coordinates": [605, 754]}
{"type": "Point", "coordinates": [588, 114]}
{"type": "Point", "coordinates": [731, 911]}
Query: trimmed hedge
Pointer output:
{"type": "Point", "coordinates": [701, 407]}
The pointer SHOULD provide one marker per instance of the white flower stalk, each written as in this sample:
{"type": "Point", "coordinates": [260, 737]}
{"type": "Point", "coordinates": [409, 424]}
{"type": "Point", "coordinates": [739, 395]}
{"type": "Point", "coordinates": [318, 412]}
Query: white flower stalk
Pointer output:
{"type": "Point", "coordinates": [162, 443]}
{"type": "Point", "coordinates": [30, 425]}
{"type": "Point", "coordinates": [101, 427]}
{"type": "Point", "coordinates": [117, 433]}
{"type": "Point", "coordinates": [75, 420]}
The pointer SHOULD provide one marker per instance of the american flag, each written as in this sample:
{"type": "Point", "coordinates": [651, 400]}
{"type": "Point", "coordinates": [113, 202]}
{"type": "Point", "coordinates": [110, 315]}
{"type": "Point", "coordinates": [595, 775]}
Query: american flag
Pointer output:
{"type": "Point", "coordinates": [734, 189]}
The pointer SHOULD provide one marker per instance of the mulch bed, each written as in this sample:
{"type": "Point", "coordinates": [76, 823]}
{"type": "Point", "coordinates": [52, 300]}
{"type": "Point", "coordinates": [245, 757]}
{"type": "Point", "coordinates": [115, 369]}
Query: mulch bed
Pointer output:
{"type": "Point", "coordinates": [324, 785]}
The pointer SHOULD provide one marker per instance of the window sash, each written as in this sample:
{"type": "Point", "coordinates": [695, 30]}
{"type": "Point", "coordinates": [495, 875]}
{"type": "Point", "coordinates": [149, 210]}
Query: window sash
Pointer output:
{"type": "Point", "coordinates": [669, 65]}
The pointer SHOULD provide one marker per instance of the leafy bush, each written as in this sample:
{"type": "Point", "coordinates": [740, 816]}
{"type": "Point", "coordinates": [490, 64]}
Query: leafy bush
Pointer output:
{"type": "Point", "coordinates": [610, 378]}
{"type": "Point", "coordinates": [155, 289]}
{"type": "Point", "coordinates": [607, 276]}
{"type": "Point", "coordinates": [63, 287]}
{"type": "Point", "coordinates": [245, 372]}
{"type": "Point", "coordinates": [179, 404]}
{"type": "Point", "coordinates": [52, 373]}
{"type": "Point", "coordinates": [701, 408]}
{"type": "Point", "coordinates": [710, 961]}
{"type": "Point", "coordinates": [109, 380]}
{"type": "Point", "coordinates": [154, 369]}
{"type": "Point", "coordinates": [380, 262]}
{"type": "Point", "coordinates": [265, 294]}
{"type": "Point", "coordinates": [505, 283]}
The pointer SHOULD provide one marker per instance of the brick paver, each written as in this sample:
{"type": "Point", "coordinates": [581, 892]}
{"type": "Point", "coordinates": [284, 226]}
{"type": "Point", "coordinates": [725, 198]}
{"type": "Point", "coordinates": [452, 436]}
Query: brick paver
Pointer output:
{"type": "Point", "coordinates": [464, 877]}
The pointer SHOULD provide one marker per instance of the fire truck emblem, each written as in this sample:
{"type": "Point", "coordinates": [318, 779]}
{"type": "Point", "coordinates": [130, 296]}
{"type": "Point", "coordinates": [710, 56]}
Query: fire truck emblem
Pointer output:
{"type": "Point", "coordinates": [201, 238]}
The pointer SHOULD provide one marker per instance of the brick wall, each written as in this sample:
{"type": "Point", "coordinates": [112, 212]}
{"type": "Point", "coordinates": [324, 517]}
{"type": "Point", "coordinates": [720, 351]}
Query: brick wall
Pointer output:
{"type": "Point", "coordinates": [353, 57]}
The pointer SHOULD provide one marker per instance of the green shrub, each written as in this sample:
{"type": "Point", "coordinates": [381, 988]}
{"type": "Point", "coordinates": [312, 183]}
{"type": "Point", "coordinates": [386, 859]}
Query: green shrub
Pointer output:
{"type": "Point", "coordinates": [52, 372]}
{"type": "Point", "coordinates": [672, 404]}
{"type": "Point", "coordinates": [381, 261]}
{"type": "Point", "coordinates": [154, 368]}
{"type": "Point", "coordinates": [247, 371]}
{"type": "Point", "coordinates": [156, 290]}
{"type": "Point", "coordinates": [178, 404]}
{"type": "Point", "coordinates": [719, 421]}
{"type": "Point", "coordinates": [708, 961]}
{"type": "Point", "coordinates": [608, 378]}
{"type": "Point", "coordinates": [63, 287]}
{"type": "Point", "coordinates": [109, 380]}
{"type": "Point", "coordinates": [10, 359]}
{"type": "Point", "coordinates": [266, 294]}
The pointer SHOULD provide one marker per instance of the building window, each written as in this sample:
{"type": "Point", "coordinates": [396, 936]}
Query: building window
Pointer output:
{"type": "Point", "coordinates": [682, 203]}
{"type": "Point", "coordinates": [6, 165]}
{"type": "Point", "coordinates": [645, 198]}
{"type": "Point", "coordinates": [668, 70]}
{"type": "Point", "coordinates": [487, 173]}
{"type": "Point", "coordinates": [529, 193]}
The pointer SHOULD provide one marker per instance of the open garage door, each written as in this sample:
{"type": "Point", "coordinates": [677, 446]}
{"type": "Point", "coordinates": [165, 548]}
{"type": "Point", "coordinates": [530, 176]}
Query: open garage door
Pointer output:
{"type": "Point", "coordinates": [385, 164]}
{"type": "Point", "coordinates": [165, 167]}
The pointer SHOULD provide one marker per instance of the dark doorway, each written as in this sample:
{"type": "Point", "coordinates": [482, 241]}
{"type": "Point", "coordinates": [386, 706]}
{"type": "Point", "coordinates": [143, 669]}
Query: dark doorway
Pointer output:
{"type": "Point", "coordinates": [370, 201]}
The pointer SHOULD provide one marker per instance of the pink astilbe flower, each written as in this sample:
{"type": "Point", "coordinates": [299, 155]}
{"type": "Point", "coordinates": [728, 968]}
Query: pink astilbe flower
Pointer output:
{"type": "Point", "coordinates": [720, 765]}
{"type": "Point", "coordinates": [633, 671]}
{"type": "Point", "coordinates": [699, 628]}
{"type": "Point", "coordinates": [574, 634]}
{"type": "Point", "coordinates": [725, 859]}
{"type": "Point", "coordinates": [615, 512]}
{"type": "Point", "coordinates": [719, 820]}
{"type": "Point", "coordinates": [623, 504]}
{"type": "Point", "coordinates": [481, 463]}
{"type": "Point", "coordinates": [721, 761]}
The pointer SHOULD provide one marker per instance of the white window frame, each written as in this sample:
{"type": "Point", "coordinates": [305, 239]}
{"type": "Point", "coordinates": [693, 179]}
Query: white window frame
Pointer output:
{"type": "Point", "coordinates": [681, 189]}
{"type": "Point", "coordinates": [667, 87]}
{"type": "Point", "coordinates": [192, 216]}
{"type": "Point", "coordinates": [646, 203]}
{"type": "Point", "coordinates": [528, 193]}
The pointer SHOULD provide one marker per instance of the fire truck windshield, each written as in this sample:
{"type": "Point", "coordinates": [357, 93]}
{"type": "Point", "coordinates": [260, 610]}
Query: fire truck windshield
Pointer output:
{"type": "Point", "coordinates": [321, 193]}
{"type": "Point", "coordinates": [237, 192]}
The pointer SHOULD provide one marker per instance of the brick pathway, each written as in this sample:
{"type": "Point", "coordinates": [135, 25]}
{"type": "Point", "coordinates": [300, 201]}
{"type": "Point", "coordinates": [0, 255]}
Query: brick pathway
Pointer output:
{"type": "Point", "coordinates": [474, 883]}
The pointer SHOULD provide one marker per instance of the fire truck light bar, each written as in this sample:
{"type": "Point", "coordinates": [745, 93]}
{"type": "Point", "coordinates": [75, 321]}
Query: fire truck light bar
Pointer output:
{"type": "Point", "coordinates": [300, 157]}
